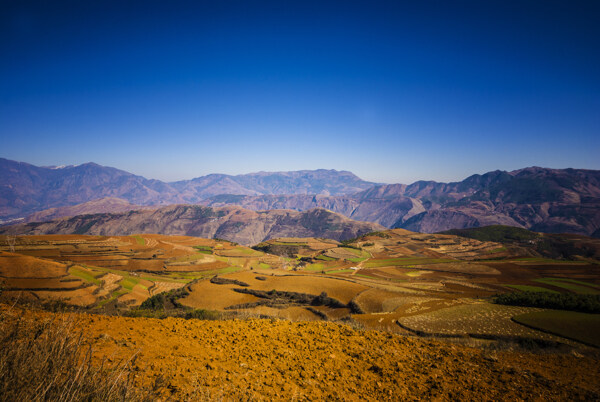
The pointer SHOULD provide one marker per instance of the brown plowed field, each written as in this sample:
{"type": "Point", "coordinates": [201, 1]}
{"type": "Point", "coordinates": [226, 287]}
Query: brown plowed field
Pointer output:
{"type": "Point", "coordinates": [21, 266]}
{"type": "Point", "coordinates": [207, 295]}
{"type": "Point", "coordinates": [281, 360]}
{"type": "Point", "coordinates": [341, 290]}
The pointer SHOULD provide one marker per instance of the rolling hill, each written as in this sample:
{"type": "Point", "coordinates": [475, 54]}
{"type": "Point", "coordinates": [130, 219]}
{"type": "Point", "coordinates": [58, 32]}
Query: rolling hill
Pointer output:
{"type": "Point", "coordinates": [230, 223]}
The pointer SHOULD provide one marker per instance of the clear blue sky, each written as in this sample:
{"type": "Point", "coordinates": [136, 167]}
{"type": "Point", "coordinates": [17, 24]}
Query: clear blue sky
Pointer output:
{"type": "Point", "coordinates": [392, 91]}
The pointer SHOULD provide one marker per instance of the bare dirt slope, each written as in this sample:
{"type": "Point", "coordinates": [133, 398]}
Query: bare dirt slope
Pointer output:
{"type": "Point", "coordinates": [281, 360]}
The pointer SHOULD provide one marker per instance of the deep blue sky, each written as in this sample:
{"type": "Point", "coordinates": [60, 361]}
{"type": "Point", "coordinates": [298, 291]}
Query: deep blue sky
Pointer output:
{"type": "Point", "coordinates": [393, 91]}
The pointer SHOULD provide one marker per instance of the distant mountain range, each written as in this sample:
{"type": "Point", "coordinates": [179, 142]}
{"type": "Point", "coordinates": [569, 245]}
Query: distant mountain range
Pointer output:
{"type": "Point", "coordinates": [539, 199]}
{"type": "Point", "coordinates": [544, 200]}
{"type": "Point", "coordinates": [25, 188]}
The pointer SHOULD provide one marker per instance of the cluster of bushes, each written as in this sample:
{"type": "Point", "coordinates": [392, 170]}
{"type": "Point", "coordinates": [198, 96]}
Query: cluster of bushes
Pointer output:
{"type": "Point", "coordinates": [346, 243]}
{"type": "Point", "coordinates": [165, 300]}
{"type": "Point", "coordinates": [275, 297]}
{"type": "Point", "coordinates": [225, 240]}
{"type": "Point", "coordinates": [225, 281]}
{"type": "Point", "coordinates": [558, 301]}
{"type": "Point", "coordinates": [282, 250]}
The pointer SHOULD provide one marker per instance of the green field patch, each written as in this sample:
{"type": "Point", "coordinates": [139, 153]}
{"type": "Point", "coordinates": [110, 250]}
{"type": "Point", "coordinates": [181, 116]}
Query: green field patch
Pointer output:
{"type": "Point", "coordinates": [361, 255]}
{"type": "Point", "coordinates": [204, 249]}
{"type": "Point", "coordinates": [248, 251]}
{"type": "Point", "coordinates": [139, 240]}
{"type": "Point", "coordinates": [148, 277]}
{"type": "Point", "coordinates": [568, 285]}
{"type": "Point", "coordinates": [185, 277]}
{"type": "Point", "coordinates": [85, 275]}
{"type": "Point", "coordinates": [497, 250]}
{"type": "Point", "coordinates": [323, 257]}
{"type": "Point", "coordinates": [114, 295]}
{"type": "Point", "coordinates": [319, 266]}
{"type": "Point", "coordinates": [548, 261]}
{"type": "Point", "coordinates": [529, 288]}
{"type": "Point", "coordinates": [366, 276]}
{"type": "Point", "coordinates": [128, 283]}
{"type": "Point", "coordinates": [187, 258]}
{"type": "Point", "coordinates": [589, 284]}
{"type": "Point", "coordinates": [581, 327]}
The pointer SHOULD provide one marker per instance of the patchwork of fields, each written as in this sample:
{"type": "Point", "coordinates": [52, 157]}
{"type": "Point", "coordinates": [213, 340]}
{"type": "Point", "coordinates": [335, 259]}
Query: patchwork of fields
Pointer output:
{"type": "Point", "coordinates": [397, 281]}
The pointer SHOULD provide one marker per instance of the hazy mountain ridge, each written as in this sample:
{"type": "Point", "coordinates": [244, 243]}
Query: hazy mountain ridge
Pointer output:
{"type": "Point", "coordinates": [108, 205]}
{"type": "Point", "coordinates": [25, 188]}
{"type": "Point", "coordinates": [546, 200]}
{"type": "Point", "coordinates": [541, 199]}
{"type": "Point", "coordinates": [230, 223]}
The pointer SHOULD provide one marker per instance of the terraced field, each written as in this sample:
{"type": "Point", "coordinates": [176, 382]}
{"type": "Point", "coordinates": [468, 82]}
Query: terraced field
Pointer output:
{"type": "Point", "coordinates": [397, 281]}
{"type": "Point", "coordinates": [96, 271]}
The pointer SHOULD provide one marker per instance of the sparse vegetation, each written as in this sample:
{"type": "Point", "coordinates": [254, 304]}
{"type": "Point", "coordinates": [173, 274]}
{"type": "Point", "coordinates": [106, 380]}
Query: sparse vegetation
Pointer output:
{"type": "Point", "coordinates": [225, 281]}
{"type": "Point", "coordinates": [139, 240]}
{"type": "Point", "coordinates": [165, 300]}
{"type": "Point", "coordinates": [204, 249]}
{"type": "Point", "coordinates": [49, 359]}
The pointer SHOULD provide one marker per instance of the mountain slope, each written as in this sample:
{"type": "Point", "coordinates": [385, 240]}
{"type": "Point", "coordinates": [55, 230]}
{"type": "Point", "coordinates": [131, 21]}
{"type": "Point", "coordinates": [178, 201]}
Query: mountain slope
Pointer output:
{"type": "Point", "coordinates": [563, 246]}
{"type": "Point", "coordinates": [321, 181]}
{"type": "Point", "coordinates": [540, 199]}
{"type": "Point", "coordinates": [26, 188]}
{"type": "Point", "coordinates": [546, 200]}
{"type": "Point", "coordinates": [230, 223]}
{"type": "Point", "coordinates": [103, 205]}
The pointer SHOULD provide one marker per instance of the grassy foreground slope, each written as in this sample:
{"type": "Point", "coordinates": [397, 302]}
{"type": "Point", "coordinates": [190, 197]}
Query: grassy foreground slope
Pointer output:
{"type": "Point", "coordinates": [282, 360]}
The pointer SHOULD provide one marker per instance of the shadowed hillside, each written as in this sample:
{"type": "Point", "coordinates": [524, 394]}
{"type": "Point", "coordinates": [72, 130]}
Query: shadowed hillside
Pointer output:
{"type": "Point", "coordinates": [231, 223]}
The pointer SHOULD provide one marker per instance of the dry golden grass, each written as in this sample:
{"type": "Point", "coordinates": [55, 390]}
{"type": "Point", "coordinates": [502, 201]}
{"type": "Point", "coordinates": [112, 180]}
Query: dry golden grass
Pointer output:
{"type": "Point", "coordinates": [382, 301]}
{"type": "Point", "coordinates": [21, 266]}
{"type": "Point", "coordinates": [207, 295]}
{"type": "Point", "coordinates": [341, 290]}
{"type": "Point", "coordinates": [81, 297]}
{"type": "Point", "coordinates": [46, 358]}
